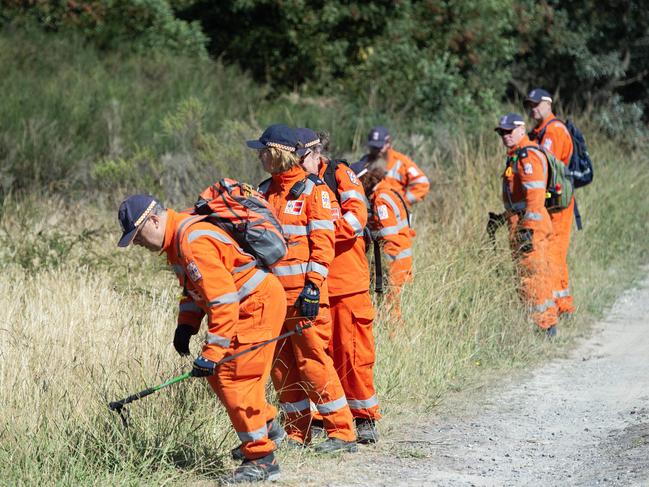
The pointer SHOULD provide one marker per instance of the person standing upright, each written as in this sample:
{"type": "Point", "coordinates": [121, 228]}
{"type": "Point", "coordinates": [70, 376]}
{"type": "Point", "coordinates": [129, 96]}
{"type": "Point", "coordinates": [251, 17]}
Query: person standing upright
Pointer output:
{"type": "Point", "coordinates": [552, 134]}
{"type": "Point", "coordinates": [530, 228]}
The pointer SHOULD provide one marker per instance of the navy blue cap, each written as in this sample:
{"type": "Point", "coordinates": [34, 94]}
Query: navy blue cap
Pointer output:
{"type": "Point", "coordinates": [378, 137]}
{"type": "Point", "coordinates": [510, 121]}
{"type": "Point", "coordinates": [132, 213]}
{"type": "Point", "coordinates": [279, 136]}
{"type": "Point", "coordinates": [306, 138]}
{"type": "Point", "coordinates": [537, 95]}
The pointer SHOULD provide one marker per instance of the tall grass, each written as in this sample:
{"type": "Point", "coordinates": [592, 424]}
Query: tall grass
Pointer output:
{"type": "Point", "coordinates": [83, 323]}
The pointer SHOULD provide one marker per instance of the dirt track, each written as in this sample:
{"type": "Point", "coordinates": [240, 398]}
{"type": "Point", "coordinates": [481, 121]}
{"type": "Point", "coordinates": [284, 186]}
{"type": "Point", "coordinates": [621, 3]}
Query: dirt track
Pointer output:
{"type": "Point", "coordinates": [578, 421]}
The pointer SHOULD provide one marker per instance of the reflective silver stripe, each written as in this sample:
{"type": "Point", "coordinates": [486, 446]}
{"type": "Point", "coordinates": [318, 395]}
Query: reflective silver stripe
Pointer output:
{"type": "Point", "coordinates": [544, 159]}
{"type": "Point", "coordinates": [530, 215]}
{"type": "Point", "coordinates": [319, 268]}
{"type": "Point", "coordinates": [253, 435]}
{"type": "Point", "coordinates": [353, 194]}
{"type": "Point", "coordinates": [227, 298]}
{"type": "Point", "coordinates": [545, 306]}
{"type": "Point", "coordinates": [214, 339]}
{"type": "Point", "coordinates": [194, 234]}
{"type": "Point", "coordinates": [189, 307]}
{"type": "Point", "coordinates": [401, 255]}
{"type": "Point", "coordinates": [321, 225]}
{"type": "Point", "coordinates": [178, 270]}
{"type": "Point", "coordinates": [355, 224]}
{"type": "Point", "coordinates": [251, 284]}
{"type": "Point", "coordinates": [394, 206]}
{"type": "Point", "coordinates": [295, 407]}
{"type": "Point", "coordinates": [308, 188]}
{"type": "Point", "coordinates": [419, 180]}
{"type": "Point", "coordinates": [244, 267]}
{"type": "Point", "coordinates": [394, 172]}
{"type": "Point", "coordinates": [534, 185]}
{"type": "Point", "coordinates": [564, 293]}
{"type": "Point", "coordinates": [289, 270]}
{"type": "Point", "coordinates": [332, 406]}
{"type": "Point", "coordinates": [410, 197]}
{"type": "Point", "coordinates": [363, 403]}
{"type": "Point", "coordinates": [391, 230]}
{"type": "Point", "coordinates": [521, 205]}
{"type": "Point", "coordinates": [295, 230]}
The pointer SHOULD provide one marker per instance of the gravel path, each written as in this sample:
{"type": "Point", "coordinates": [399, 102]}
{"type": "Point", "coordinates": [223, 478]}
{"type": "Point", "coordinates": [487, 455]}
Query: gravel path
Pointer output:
{"type": "Point", "coordinates": [578, 421]}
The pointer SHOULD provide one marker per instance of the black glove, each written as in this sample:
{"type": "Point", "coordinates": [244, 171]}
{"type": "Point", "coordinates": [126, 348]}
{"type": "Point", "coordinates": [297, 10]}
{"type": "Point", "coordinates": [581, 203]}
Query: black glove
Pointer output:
{"type": "Point", "coordinates": [524, 238]}
{"type": "Point", "coordinates": [496, 220]}
{"type": "Point", "coordinates": [181, 339]}
{"type": "Point", "coordinates": [203, 367]}
{"type": "Point", "coordinates": [308, 302]}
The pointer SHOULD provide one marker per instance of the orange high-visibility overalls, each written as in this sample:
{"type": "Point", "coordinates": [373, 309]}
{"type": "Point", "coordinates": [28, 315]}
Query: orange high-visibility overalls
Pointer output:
{"type": "Point", "coordinates": [557, 140]}
{"type": "Point", "coordinates": [352, 313]}
{"type": "Point", "coordinates": [303, 370]}
{"type": "Point", "coordinates": [524, 187]}
{"type": "Point", "coordinates": [244, 304]}
{"type": "Point", "coordinates": [389, 223]}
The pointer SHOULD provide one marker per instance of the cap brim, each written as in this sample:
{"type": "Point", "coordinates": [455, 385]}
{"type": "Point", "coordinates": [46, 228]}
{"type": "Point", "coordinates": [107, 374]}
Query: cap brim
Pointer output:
{"type": "Point", "coordinates": [255, 144]}
{"type": "Point", "coordinates": [505, 127]}
{"type": "Point", "coordinates": [127, 238]}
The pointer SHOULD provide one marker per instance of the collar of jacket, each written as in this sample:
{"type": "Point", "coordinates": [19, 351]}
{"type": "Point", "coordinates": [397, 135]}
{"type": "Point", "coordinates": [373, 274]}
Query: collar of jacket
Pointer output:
{"type": "Point", "coordinates": [292, 175]}
{"type": "Point", "coordinates": [525, 141]}
{"type": "Point", "coordinates": [543, 123]}
{"type": "Point", "coordinates": [173, 219]}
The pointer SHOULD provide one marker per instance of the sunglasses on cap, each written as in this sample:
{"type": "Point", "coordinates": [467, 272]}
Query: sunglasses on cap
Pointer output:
{"type": "Point", "coordinates": [503, 132]}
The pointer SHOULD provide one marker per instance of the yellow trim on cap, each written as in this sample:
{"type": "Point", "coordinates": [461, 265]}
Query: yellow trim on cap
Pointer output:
{"type": "Point", "coordinates": [280, 146]}
{"type": "Point", "coordinates": [144, 214]}
{"type": "Point", "coordinates": [312, 143]}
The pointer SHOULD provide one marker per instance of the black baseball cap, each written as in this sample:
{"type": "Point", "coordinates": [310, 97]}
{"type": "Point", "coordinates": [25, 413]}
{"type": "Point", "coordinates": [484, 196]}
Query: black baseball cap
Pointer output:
{"type": "Point", "coordinates": [537, 95]}
{"type": "Point", "coordinates": [279, 136]}
{"type": "Point", "coordinates": [510, 121]}
{"type": "Point", "coordinates": [132, 214]}
{"type": "Point", "coordinates": [306, 138]}
{"type": "Point", "coordinates": [378, 137]}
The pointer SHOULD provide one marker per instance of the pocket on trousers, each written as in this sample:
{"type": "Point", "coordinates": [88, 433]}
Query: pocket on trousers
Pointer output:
{"type": "Point", "coordinates": [363, 336]}
{"type": "Point", "coordinates": [252, 330]}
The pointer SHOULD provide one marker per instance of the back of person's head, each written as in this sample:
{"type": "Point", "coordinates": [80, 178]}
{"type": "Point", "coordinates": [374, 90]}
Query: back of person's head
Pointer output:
{"type": "Point", "coordinates": [374, 175]}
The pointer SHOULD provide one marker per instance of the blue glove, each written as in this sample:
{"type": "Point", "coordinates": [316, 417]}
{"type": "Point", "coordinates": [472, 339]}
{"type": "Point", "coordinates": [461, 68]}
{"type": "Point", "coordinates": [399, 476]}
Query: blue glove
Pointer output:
{"type": "Point", "coordinates": [203, 367]}
{"type": "Point", "coordinates": [308, 302]}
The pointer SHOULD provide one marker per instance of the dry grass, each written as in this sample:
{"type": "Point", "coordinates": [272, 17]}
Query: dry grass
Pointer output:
{"type": "Point", "coordinates": [84, 323]}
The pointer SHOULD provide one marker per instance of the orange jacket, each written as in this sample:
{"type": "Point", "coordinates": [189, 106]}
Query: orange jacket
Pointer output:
{"type": "Point", "coordinates": [308, 226]}
{"type": "Point", "coordinates": [556, 138]}
{"type": "Point", "coordinates": [524, 186]}
{"type": "Point", "coordinates": [389, 221]}
{"type": "Point", "coordinates": [407, 176]}
{"type": "Point", "coordinates": [349, 272]}
{"type": "Point", "coordinates": [216, 274]}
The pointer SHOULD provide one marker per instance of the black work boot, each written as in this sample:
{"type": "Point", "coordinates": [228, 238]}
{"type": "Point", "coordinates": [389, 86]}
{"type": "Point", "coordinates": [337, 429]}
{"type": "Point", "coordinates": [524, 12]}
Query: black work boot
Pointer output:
{"type": "Point", "coordinates": [335, 445]}
{"type": "Point", "coordinates": [276, 433]}
{"type": "Point", "coordinates": [366, 431]}
{"type": "Point", "coordinates": [265, 468]}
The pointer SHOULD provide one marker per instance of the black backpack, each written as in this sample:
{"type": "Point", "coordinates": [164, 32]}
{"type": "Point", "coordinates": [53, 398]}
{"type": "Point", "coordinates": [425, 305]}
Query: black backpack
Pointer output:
{"type": "Point", "coordinates": [329, 175]}
{"type": "Point", "coordinates": [581, 166]}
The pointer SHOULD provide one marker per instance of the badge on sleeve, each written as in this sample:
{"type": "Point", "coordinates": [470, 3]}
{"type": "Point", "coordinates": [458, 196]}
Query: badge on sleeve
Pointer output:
{"type": "Point", "coordinates": [335, 213]}
{"type": "Point", "coordinates": [353, 178]}
{"type": "Point", "coordinates": [294, 207]}
{"type": "Point", "coordinates": [527, 168]}
{"type": "Point", "coordinates": [193, 272]}
{"type": "Point", "coordinates": [547, 144]}
{"type": "Point", "coordinates": [413, 172]}
{"type": "Point", "coordinates": [326, 202]}
{"type": "Point", "coordinates": [382, 210]}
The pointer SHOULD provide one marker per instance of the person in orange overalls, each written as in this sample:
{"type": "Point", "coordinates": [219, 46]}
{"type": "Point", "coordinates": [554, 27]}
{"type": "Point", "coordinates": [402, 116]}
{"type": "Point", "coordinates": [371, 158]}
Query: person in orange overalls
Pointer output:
{"type": "Point", "coordinates": [530, 228]}
{"type": "Point", "coordinates": [244, 304]}
{"type": "Point", "coordinates": [390, 223]}
{"type": "Point", "coordinates": [352, 313]}
{"type": "Point", "coordinates": [303, 370]}
{"type": "Point", "coordinates": [402, 172]}
{"type": "Point", "coordinates": [552, 134]}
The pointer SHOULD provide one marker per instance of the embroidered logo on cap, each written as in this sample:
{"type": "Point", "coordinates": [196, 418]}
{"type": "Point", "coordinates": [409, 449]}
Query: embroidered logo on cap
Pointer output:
{"type": "Point", "coordinates": [375, 135]}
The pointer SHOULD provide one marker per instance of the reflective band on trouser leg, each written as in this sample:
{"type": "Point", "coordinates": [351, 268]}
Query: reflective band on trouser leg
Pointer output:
{"type": "Point", "coordinates": [241, 383]}
{"type": "Point", "coordinates": [561, 294]}
{"type": "Point", "coordinates": [318, 376]}
{"type": "Point", "coordinates": [352, 349]}
{"type": "Point", "coordinates": [295, 407]}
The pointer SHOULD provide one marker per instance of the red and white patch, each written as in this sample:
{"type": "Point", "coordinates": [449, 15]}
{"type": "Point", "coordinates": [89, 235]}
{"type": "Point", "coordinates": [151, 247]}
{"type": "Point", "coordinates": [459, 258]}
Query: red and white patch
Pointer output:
{"type": "Point", "coordinates": [294, 207]}
{"type": "Point", "coordinates": [335, 213]}
{"type": "Point", "coordinates": [353, 178]}
{"type": "Point", "coordinates": [326, 201]}
{"type": "Point", "coordinates": [413, 172]}
{"type": "Point", "coordinates": [527, 168]}
{"type": "Point", "coordinates": [382, 210]}
{"type": "Point", "coordinates": [193, 272]}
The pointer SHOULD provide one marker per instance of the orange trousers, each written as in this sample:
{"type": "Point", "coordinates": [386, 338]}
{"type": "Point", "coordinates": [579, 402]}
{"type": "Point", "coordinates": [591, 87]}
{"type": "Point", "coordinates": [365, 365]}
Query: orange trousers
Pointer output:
{"type": "Point", "coordinates": [352, 350]}
{"type": "Point", "coordinates": [558, 255]}
{"type": "Point", "coordinates": [535, 279]}
{"type": "Point", "coordinates": [399, 273]}
{"type": "Point", "coordinates": [241, 383]}
{"type": "Point", "coordinates": [303, 371]}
